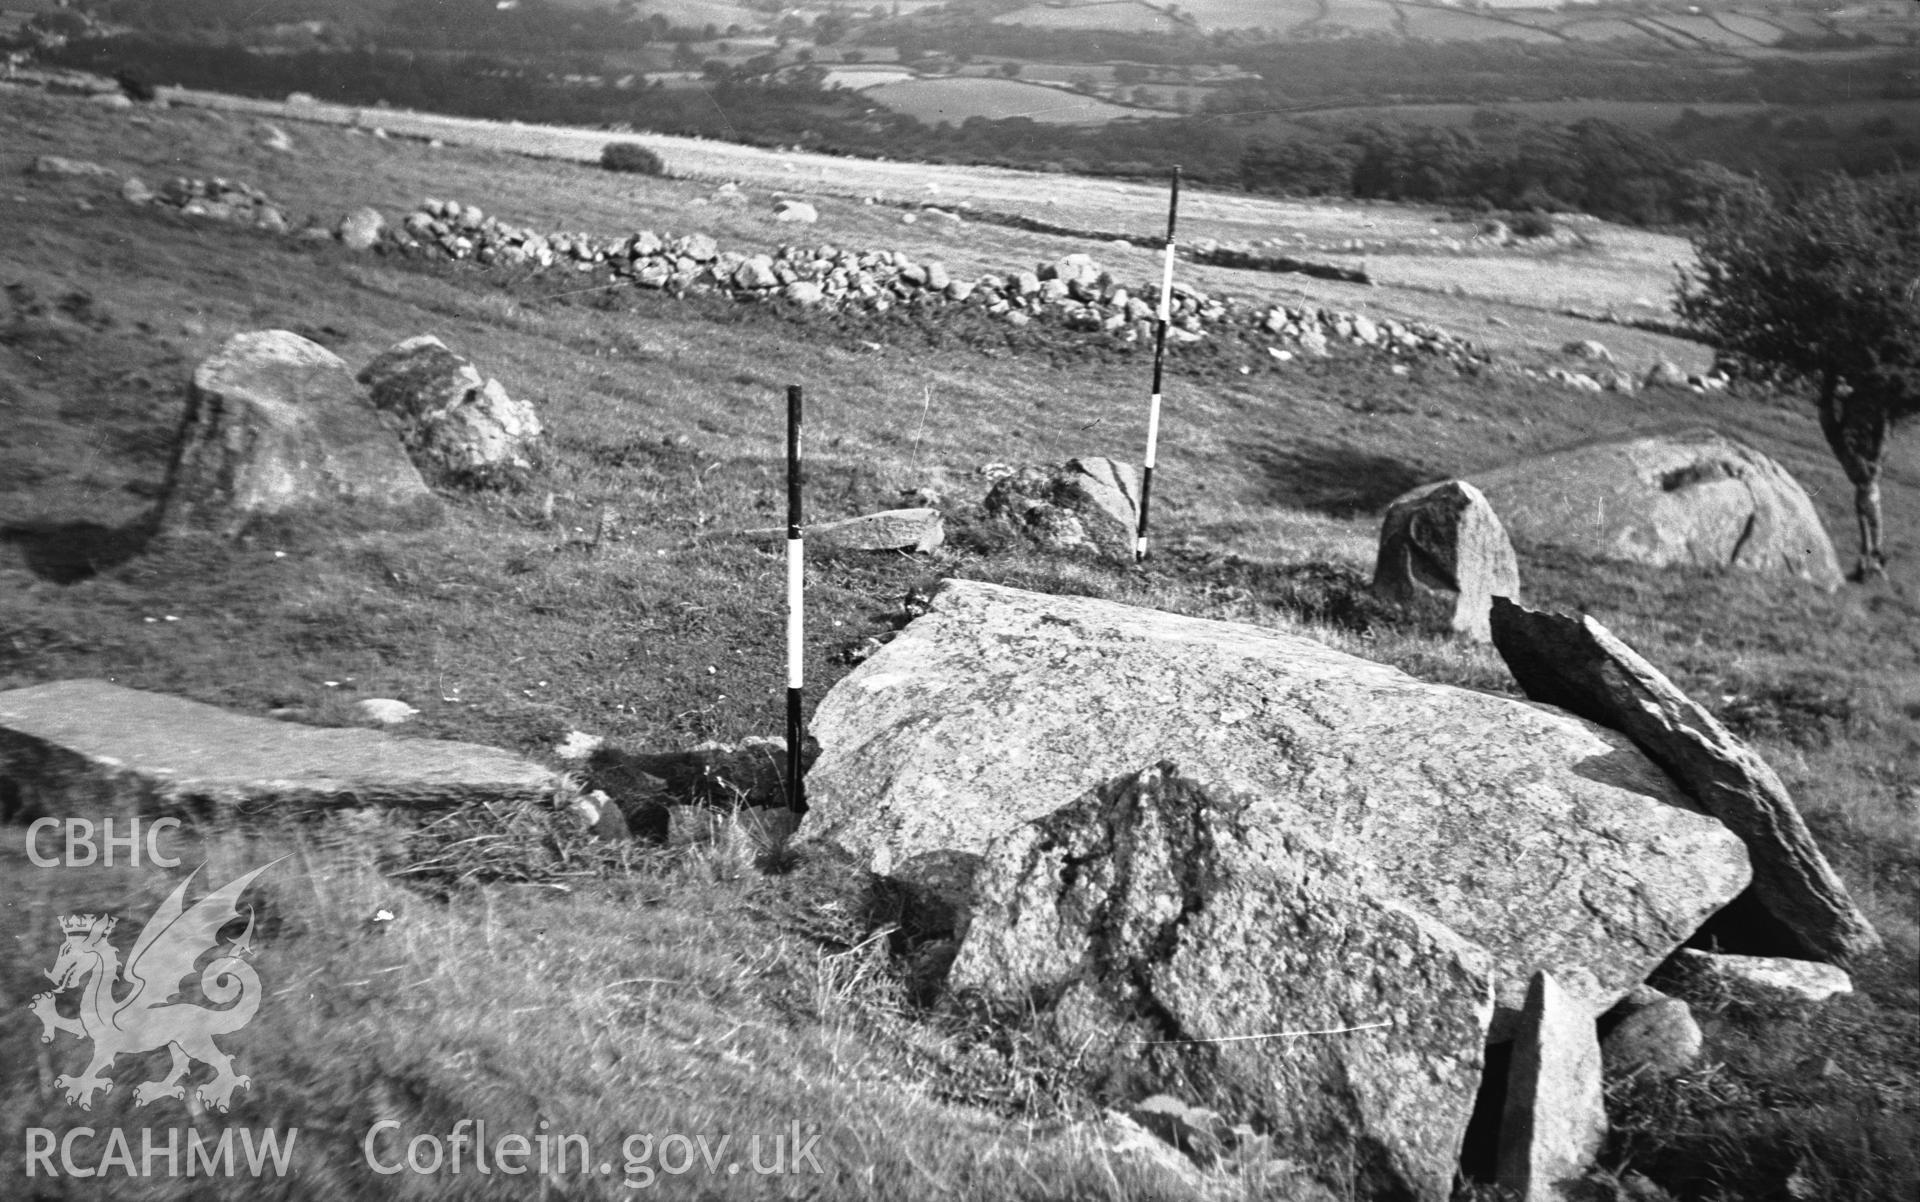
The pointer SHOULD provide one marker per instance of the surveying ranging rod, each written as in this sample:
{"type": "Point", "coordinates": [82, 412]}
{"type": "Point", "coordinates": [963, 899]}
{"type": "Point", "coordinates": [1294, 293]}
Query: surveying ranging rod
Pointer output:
{"type": "Point", "coordinates": [1161, 320]}
{"type": "Point", "coordinates": [796, 576]}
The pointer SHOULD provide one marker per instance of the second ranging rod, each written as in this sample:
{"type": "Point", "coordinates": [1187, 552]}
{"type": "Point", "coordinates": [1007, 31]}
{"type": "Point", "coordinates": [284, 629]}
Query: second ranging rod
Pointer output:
{"type": "Point", "coordinates": [1161, 320]}
{"type": "Point", "coordinates": [796, 576]}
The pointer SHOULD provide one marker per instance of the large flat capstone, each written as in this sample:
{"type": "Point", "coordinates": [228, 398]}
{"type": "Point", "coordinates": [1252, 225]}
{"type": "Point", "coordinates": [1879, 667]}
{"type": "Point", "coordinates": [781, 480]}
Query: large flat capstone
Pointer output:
{"type": "Point", "coordinates": [1553, 843]}
{"type": "Point", "coordinates": [90, 748]}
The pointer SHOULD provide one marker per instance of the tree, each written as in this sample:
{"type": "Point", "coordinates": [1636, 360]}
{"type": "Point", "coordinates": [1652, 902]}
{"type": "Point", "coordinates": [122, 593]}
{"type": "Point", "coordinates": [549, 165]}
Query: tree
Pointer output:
{"type": "Point", "coordinates": [1822, 285]}
{"type": "Point", "coordinates": [830, 27]}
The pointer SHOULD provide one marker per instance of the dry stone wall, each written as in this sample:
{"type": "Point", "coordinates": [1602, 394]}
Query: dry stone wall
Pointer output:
{"type": "Point", "coordinates": [1074, 291]}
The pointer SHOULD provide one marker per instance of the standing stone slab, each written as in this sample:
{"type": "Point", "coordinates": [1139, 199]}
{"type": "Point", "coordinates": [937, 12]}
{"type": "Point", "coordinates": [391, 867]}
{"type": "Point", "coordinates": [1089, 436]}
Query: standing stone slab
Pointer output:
{"type": "Point", "coordinates": [1444, 557]}
{"type": "Point", "coordinates": [88, 748]}
{"type": "Point", "coordinates": [1580, 666]}
{"type": "Point", "coordinates": [1551, 842]}
{"type": "Point", "coordinates": [1555, 1118]}
{"type": "Point", "coordinates": [1173, 932]}
{"type": "Point", "coordinates": [276, 423]}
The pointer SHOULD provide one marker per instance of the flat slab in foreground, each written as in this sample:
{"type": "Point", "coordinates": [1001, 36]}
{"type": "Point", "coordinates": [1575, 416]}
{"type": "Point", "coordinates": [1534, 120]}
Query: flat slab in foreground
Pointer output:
{"type": "Point", "coordinates": [90, 748]}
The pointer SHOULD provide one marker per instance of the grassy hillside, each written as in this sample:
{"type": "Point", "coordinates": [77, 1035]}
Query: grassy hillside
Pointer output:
{"type": "Point", "coordinates": [1488, 103]}
{"type": "Point", "coordinates": [689, 989]}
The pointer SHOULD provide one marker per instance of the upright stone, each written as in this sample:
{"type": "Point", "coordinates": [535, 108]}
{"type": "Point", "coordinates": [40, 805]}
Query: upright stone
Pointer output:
{"type": "Point", "coordinates": [1081, 505]}
{"type": "Point", "coordinates": [1580, 666]}
{"type": "Point", "coordinates": [460, 425]}
{"type": "Point", "coordinates": [1555, 1118]}
{"type": "Point", "coordinates": [87, 748]}
{"type": "Point", "coordinates": [1444, 557]}
{"type": "Point", "coordinates": [276, 423]}
{"type": "Point", "coordinates": [1182, 937]}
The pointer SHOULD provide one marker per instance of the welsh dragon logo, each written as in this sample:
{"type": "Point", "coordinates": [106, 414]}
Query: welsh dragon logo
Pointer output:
{"type": "Point", "coordinates": [150, 1015]}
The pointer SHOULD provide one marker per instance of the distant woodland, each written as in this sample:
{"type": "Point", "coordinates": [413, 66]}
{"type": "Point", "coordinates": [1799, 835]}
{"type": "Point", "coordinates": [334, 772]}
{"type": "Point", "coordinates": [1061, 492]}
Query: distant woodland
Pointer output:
{"type": "Point", "coordinates": [1257, 128]}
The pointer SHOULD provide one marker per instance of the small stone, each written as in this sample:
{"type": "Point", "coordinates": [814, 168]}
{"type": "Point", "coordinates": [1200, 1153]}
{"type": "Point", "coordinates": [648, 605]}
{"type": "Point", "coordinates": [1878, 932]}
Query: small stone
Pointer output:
{"type": "Point", "coordinates": [797, 211]}
{"type": "Point", "coordinates": [53, 164]}
{"type": "Point", "coordinates": [461, 424]}
{"type": "Point", "coordinates": [888, 530]}
{"type": "Point", "coordinates": [361, 229]}
{"type": "Point", "coordinates": [1659, 1040]}
{"type": "Point", "coordinates": [1665, 374]}
{"type": "Point", "coordinates": [756, 273]}
{"type": "Point", "coordinates": [387, 711]}
{"type": "Point", "coordinates": [578, 745]}
{"type": "Point", "coordinates": [1200, 1133]}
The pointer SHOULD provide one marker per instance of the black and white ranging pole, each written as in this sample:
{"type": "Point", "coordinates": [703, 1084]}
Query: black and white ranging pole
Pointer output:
{"type": "Point", "coordinates": [1162, 319]}
{"type": "Point", "coordinates": [796, 575]}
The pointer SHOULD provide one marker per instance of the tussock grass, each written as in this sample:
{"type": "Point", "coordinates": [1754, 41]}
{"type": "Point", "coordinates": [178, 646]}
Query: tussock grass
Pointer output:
{"type": "Point", "coordinates": [673, 999]}
{"type": "Point", "coordinates": [1793, 1101]}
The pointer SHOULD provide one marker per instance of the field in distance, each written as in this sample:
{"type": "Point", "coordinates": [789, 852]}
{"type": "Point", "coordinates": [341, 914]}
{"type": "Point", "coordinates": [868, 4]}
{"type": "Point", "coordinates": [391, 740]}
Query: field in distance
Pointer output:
{"type": "Point", "coordinates": [955, 100]}
{"type": "Point", "coordinates": [1734, 27]}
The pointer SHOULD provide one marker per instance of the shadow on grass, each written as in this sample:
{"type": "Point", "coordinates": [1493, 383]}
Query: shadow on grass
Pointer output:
{"type": "Point", "coordinates": [69, 552]}
{"type": "Point", "coordinates": [1334, 479]}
